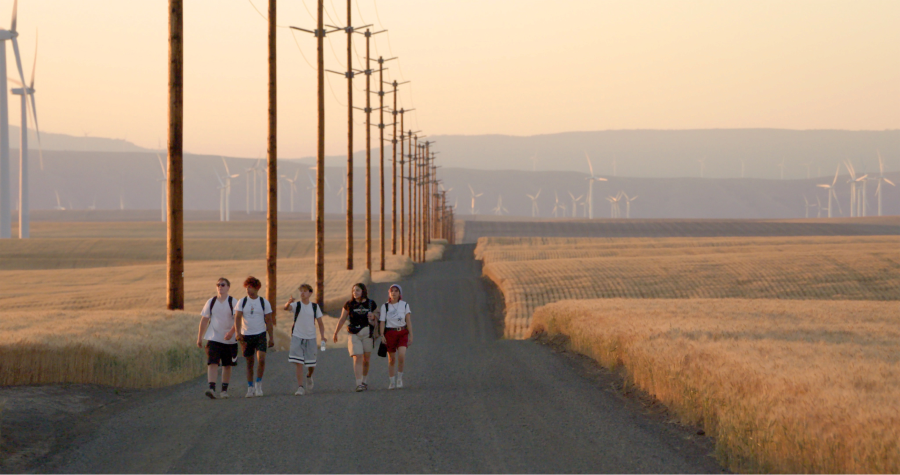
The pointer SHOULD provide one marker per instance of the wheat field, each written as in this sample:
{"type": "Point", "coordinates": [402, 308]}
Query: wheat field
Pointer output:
{"type": "Point", "coordinates": [91, 309]}
{"type": "Point", "coordinates": [532, 272]}
{"type": "Point", "coordinates": [784, 386]}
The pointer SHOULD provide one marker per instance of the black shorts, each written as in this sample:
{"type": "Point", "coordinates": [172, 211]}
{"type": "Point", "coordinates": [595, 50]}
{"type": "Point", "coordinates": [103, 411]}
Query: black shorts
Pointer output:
{"type": "Point", "coordinates": [222, 354]}
{"type": "Point", "coordinates": [254, 343]}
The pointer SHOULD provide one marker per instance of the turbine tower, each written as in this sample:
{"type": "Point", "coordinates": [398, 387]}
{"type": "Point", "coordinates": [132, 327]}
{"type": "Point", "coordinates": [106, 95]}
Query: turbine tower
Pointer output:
{"type": "Point", "coordinates": [474, 195]}
{"type": "Point", "coordinates": [24, 207]}
{"type": "Point", "coordinates": [534, 205]}
{"type": "Point", "coordinates": [5, 180]}
{"type": "Point", "coordinates": [830, 189]}
{"type": "Point", "coordinates": [228, 177]}
{"type": "Point", "coordinates": [575, 204]}
{"type": "Point", "coordinates": [591, 179]}
{"type": "Point", "coordinates": [293, 184]}
{"type": "Point", "coordinates": [881, 179]}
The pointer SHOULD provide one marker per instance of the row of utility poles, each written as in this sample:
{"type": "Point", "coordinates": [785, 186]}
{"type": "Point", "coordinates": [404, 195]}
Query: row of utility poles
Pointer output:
{"type": "Point", "coordinates": [426, 217]}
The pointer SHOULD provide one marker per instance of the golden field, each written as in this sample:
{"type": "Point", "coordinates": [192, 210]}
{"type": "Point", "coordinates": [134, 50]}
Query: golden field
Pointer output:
{"type": "Point", "coordinates": [532, 272]}
{"type": "Point", "coordinates": [792, 386]}
{"type": "Point", "coordinates": [91, 309]}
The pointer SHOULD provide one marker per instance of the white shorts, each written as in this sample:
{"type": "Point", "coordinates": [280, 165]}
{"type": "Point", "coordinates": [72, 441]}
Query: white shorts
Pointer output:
{"type": "Point", "coordinates": [360, 343]}
{"type": "Point", "coordinates": [303, 351]}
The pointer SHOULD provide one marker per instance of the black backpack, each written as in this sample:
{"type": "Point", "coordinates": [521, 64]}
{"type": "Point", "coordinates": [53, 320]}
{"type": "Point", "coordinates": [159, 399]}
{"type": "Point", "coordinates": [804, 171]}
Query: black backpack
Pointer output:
{"type": "Point", "coordinates": [261, 299]}
{"type": "Point", "coordinates": [297, 313]}
{"type": "Point", "coordinates": [212, 302]}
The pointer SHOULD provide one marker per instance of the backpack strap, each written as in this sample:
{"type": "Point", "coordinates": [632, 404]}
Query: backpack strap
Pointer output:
{"type": "Point", "coordinates": [230, 305]}
{"type": "Point", "coordinates": [262, 302]}
{"type": "Point", "coordinates": [315, 309]}
{"type": "Point", "coordinates": [212, 302]}
{"type": "Point", "coordinates": [243, 303]}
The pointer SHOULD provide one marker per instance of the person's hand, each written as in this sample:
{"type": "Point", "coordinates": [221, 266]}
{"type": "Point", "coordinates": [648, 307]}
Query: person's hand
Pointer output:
{"type": "Point", "coordinates": [291, 300]}
{"type": "Point", "coordinates": [334, 337]}
{"type": "Point", "coordinates": [230, 334]}
{"type": "Point", "coordinates": [199, 343]}
{"type": "Point", "coordinates": [240, 338]}
{"type": "Point", "coordinates": [383, 339]}
{"type": "Point", "coordinates": [409, 340]}
{"type": "Point", "coordinates": [271, 343]}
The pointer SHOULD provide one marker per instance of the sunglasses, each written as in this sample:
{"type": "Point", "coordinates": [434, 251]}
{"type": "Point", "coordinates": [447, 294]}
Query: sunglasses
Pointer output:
{"type": "Point", "coordinates": [221, 284]}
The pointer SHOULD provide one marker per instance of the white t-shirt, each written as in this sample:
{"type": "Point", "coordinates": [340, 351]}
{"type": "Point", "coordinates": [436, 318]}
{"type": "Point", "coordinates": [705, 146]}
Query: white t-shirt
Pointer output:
{"type": "Point", "coordinates": [395, 317]}
{"type": "Point", "coordinates": [221, 320]}
{"type": "Point", "coordinates": [254, 319]}
{"type": "Point", "coordinates": [305, 326]}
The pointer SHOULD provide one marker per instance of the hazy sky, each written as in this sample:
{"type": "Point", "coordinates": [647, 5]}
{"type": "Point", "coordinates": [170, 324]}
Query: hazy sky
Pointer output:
{"type": "Point", "coordinates": [518, 67]}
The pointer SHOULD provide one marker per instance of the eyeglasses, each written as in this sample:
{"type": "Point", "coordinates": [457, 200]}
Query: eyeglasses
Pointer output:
{"type": "Point", "coordinates": [221, 284]}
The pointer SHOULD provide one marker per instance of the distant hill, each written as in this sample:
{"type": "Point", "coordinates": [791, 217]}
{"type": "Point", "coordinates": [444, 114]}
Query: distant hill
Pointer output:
{"type": "Point", "coordinates": [107, 180]}
{"type": "Point", "coordinates": [675, 153]}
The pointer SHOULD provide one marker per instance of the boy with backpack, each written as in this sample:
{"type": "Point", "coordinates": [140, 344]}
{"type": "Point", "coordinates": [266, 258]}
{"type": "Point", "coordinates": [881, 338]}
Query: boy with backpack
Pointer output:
{"type": "Point", "coordinates": [253, 319]}
{"type": "Point", "coordinates": [217, 328]}
{"type": "Point", "coordinates": [303, 336]}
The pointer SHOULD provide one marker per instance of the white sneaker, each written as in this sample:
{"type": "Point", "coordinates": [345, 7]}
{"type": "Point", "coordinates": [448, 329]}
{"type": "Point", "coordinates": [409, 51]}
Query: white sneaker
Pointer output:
{"type": "Point", "coordinates": [300, 391]}
{"type": "Point", "coordinates": [251, 392]}
{"type": "Point", "coordinates": [391, 385]}
{"type": "Point", "coordinates": [309, 382]}
{"type": "Point", "coordinates": [224, 395]}
{"type": "Point", "coordinates": [259, 389]}
{"type": "Point", "coordinates": [399, 382]}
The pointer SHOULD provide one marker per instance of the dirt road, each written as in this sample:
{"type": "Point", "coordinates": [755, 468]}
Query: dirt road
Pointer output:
{"type": "Point", "coordinates": [472, 403]}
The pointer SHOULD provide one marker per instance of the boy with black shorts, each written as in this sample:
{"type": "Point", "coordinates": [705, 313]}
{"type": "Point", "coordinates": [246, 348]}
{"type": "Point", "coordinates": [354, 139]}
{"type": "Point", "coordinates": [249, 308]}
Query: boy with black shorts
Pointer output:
{"type": "Point", "coordinates": [303, 337]}
{"type": "Point", "coordinates": [217, 328]}
{"type": "Point", "coordinates": [253, 317]}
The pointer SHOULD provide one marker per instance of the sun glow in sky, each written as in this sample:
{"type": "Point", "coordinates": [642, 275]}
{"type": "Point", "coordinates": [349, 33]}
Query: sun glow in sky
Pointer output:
{"type": "Point", "coordinates": [518, 67]}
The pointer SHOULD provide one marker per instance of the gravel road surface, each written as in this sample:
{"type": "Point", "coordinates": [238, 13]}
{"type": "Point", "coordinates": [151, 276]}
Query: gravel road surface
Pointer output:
{"type": "Point", "coordinates": [472, 403]}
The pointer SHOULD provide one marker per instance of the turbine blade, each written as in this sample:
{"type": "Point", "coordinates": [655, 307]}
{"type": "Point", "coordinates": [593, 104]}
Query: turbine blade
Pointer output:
{"type": "Point", "coordinates": [34, 64]}
{"type": "Point", "coordinates": [37, 130]}
{"type": "Point", "coordinates": [15, 13]}
{"type": "Point", "coordinates": [590, 165]}
{"type": "Point", "coordinates": [889, 182]}
{"type": "Point", "coordinates": [161, 166]}
{"type": "Point", "coordinates": [15, 43]}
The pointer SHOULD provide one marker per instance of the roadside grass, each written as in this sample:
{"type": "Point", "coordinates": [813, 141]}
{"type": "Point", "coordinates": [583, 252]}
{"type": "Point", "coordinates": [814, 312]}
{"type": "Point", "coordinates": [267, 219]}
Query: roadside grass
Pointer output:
{"type": "Point", "coordinates": [100, 317]}
{"type": "Point", "coordinates": [783, 385]}
{"type": "Point", "coordinates": [532, 272]}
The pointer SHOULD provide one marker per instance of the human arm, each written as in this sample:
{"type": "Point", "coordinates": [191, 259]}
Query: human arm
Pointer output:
{"type": "Point", "coordinates": [409, 328]}
{"type": "Point", "coordinates": [270, 328]}
{"type": "Point", "coordinates": [321, 327]}
{"type": "Point", "coordinates": [204, 324]}
{"type": "Point", "coordinates": [340, 324]}
{"type": "Point", "coordinates": [238, 320]}
{"type": "Point", "coordinates": [287, 306]}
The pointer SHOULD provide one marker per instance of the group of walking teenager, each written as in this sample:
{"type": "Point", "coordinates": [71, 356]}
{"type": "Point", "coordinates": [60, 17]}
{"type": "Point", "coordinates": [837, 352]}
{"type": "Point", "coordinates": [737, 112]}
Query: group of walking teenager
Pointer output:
{"type": "Point", "coordinates": [229, 324]}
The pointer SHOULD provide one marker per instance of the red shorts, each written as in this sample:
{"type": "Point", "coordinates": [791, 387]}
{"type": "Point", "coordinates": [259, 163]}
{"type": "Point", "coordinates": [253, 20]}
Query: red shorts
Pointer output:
{"type": "Point", "coordinates": [395, 339]}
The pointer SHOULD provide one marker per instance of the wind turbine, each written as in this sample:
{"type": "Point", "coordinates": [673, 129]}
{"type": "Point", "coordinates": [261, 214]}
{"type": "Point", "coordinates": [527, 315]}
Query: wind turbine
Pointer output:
{"type": "Point", "coordinates": [228, 177]}
{"type": "Point", "coordinates": [221, 189]}
{"type": "Point", "coordinates": [830, 189]}
{"type": "Point", "coordinates": [781, 166]}
{"type": "Point", "coordinates": [591, 179]}
{"type": "Point", "coordinates": [5, 181]}
{"type": "Point", "coordinates": [556, 207]}
{"type": "Point", "coordinates": [293, 185]}
{"type": "Point", "coordinates": [474, 195]}
{"type": "Point", "coordinates": [59, 205]}
{"type": "Point", "coordinates": [534, 205]}
{"type": "Point", "coordinates": [613, 206]}
{"type": "Point", "coordinates": [575, 204]}
{"type": "Point", "coordinates": [162, 192]}
{"type": "Point", "coordinates": [251, 171]}
{"type": "Point", "coordinates": [534, 160]}
{"type": "Point", "coordinates": [25, 92]}
{"type": "Point", "coordinates": [854, 198]}
{"type": "Point", "coordinates": [628, 204]}
{"type": "Point", "coordinates": [701, 160]}
{"type": "Point", "coordinates": [806, 204]}
{"type": "Point", "coordinates": [881, 179]}
{"type": "Point", "coordinates": [499, 210]}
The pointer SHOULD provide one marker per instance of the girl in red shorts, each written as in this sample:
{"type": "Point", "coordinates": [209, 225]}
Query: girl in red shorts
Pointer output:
{"type": "Point", "coordinates": [396, 330]}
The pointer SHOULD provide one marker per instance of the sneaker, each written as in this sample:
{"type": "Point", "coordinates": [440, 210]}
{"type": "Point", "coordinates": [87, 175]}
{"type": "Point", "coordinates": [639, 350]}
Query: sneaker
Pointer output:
{"type": "Point", "coordinates": [309, 382]}
{"type": "Point", "coordinates": [391, 386]}
{"type": "Point", "coordinates": [399, 382]}
{"type": "Point", "coordinates": [210, 394]}
{"type": "Point", "coordinates": [224, 395]}
{"type": "Point", "coordinates": [300, 391]}
{"type": "Point", "coordinates": [360, 388]}
{"type": "Point", "coordinates": [259, 389]}
{"type": "Point", "coordinates": [365, 386]}
{"type": "Point", "coordinates": [251, 392]}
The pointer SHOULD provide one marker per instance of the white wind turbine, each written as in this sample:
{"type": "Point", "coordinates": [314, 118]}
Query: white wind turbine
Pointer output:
{"type": "Point", "coordinates": [228, 177]}
{"type": "Point", "coordinates": [881, 179]}
{"type": "Point", "coordinates": [5, 181]}
{"type": "Point", "coordinates": [806, 205]}
{"type": "Point", "coordinates": [575, 204]}
{"type": "Point", "coordinates": [221, 189]}
{"type": "Point", "coordinates": [251, 171]}
{"type": "Point", "coordinates": [292, 182]}
{"type": "Point", "coordinates": [628, 204]}
{"type": "Point", "coordinates": [702, 163]}
{"type": "Point", "coordinates": [591, 179]}
{"type": "Point", "coordinates": [818, 206]}
{"type": "Point", "coordinates": [613, 206]}
{"type": "Point", "coordinates": [474, 195]}
{"type": "Point", "coordinates": [499, 210]}
{"type": "Point", "coordinates": [556, 206]}
{"type": "Point", "coordinates": [162, 192]}
{"type": "Point", "coordinates": [854, 197]}
{"type": "Point", "coordinates": [781, 166]}
{"type": "Point", "coordinates": [534, 205]}
{"type": "Point", "coordinates": [830, 189]}
{"type": "Point", "coordinates": [25, 92]}
{"type": "Point", "coordinates": [59, 205]}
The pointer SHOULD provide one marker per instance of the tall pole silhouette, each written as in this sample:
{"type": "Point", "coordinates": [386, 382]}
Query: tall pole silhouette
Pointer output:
{"type": "Point", "coordinates": [381, 155]}
{"type": "Point", "coordinates": [272, 211]}
{"type": "Point", "coordinates": [175, 221]}
{"type": "Point", "coordinates": [394, 113]}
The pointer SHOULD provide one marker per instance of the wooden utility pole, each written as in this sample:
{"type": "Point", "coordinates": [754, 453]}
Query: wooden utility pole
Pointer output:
{"type": "Point", "coordinates": [175, 213]}
{"type": "Point", "coordinates": [381, 154]}
{"type": "Point", "coordinates": [394, 113]}
{"type": "Point", "coordinates": [272, 211]}
{"type": "Point", "coordinates": [349, 140]}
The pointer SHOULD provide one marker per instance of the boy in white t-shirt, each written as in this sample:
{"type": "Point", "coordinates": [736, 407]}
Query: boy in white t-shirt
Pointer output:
{"type": "Point", "coordinates": [253, 318]}
{"type": "Point", "coordinates": [217, 328]}
{"type": "Point", "coordinates": [303, 336]}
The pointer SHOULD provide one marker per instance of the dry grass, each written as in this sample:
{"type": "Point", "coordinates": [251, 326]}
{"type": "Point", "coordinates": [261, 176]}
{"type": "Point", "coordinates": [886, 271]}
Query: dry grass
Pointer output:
{"type": "Point", "coordinates": [100, 319]}
{"type": "Point", "coordinates": [784, 386]}
{"type": "Point", "coordinates": [532, 272]}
